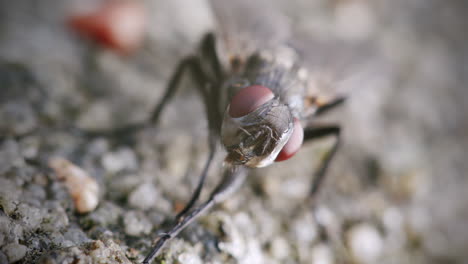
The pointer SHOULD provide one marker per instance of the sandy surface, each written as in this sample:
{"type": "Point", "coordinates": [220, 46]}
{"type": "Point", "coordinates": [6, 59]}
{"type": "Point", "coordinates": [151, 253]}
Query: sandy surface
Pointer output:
{"type": "Point", "coordinates": [396, 192]}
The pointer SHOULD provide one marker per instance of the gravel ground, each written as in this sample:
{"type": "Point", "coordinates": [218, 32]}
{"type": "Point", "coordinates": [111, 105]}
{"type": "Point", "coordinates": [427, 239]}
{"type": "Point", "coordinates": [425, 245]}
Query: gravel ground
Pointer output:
{"type": "Point", "coordinates": [396, 192]}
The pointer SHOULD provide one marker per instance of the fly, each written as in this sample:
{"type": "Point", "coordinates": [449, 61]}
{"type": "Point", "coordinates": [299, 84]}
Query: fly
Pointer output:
{"type": "Point", "coordinates": [258, 101]}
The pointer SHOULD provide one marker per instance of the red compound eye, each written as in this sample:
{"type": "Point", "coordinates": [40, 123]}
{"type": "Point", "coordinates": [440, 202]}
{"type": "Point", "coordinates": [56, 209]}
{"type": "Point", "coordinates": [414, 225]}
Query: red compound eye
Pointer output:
{"type": "Point", "coordinates": [294, 143]}
{"type": "Point", "coordinates": [118, 25]}
{"type": "Point", "coordinates": [248, 99]}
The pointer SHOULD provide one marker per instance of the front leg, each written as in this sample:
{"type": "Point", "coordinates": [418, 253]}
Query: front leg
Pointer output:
{"type": "Point", "coordinates": [313, 133]}
{"type": "Point", "coordinates": [232, 180]}
{"type": "Point", "coordinates": [190, 64]}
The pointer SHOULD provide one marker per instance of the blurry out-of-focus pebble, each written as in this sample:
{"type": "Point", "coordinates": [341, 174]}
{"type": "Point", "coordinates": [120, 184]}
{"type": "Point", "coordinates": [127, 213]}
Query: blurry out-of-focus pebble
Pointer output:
{"type": "Point", "coordinates": [82, 187]}
{"type": "Point", "coordinates": [189, 258]}
{"type": "Point", "coordinates": [280, 248]}
{"type": "Point", "coordinates": [136, 223]}
{"type": "Point", "coordinates": [322, 254]}
{"type": "Point", "coordinates": [365, 243]}
{"type": "Point", "coordinates": [14, 252]}
{"type": "Point", "coordinates": [107, 251]}
{"type": "Point", "coordinates": [115, 24]}
{"type": "Point", "coordinates": [120, 160]}
{"type": "Point", "coordinates": [144, 196]}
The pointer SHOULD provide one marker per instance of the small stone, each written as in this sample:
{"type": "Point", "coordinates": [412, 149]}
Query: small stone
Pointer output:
{"type": "Point", "coordinates": [327, 218]}
{"type": "Point", "coordinates": [2, 239]}
{"type": "Point", "coordinates": [96, 116]}
{"type": "Point", "coordinates": [34, 195]}
{"type": "Point", "coordinates": [55, 219]}
{"type": "Point", "coordinates": [17, 118]}
{"type": "Point", "coordinates": [30, 147]}
{"type": "Point", "coordinates": [120, 160]}
{"type": "Point", "coordinates": [322, 254]}
{"type": "Point", "coordinates": [392, 219]}
{"type": "Point", "coordinates": [5, 223]}
{"type": "Point", "coordinates": [189, 258]}
{"type": "Point", "coordinates": [56, 237]}
{"type": "Point", "coordinates": [107, 252]}
{"type": "Point", "coordinates": [10, 156]}
{"type": "Point", "coordinates": [178, 156]}
{"type": "Point", "coordinates": [3, 258]}
{"type": "Point", "coordinates": [144, 196]}
{"type": "Point", "coordinates": [254, 252]}
{"type": "Point", "coordinates": [75, 235]}
{"type": "Point", "coordinates": [107, 214]}
{"type": "Point", "coordinates": [136, 224]}
{"type": "Point", "coordinates": [8, 200]}
{"type": "Point", "coordinates": [14, 251]}
{"type": "Point", "coordinates": [15, 233]}
{"type": "Point", "coordinates": [120, 186]}
{"type": "Point", "coordinates": [365, 243]}
{"type": "Point", "coordinates": [244, 248]}
{"type": "Point", "coordinates": [234, 243]}
{"type": "Point", "coordinates": [304, 229]}
{"type": "Point", "coordinates": [31, 216]}
{"type": "Point", "coordinates": [295, 188]}
{"type": "Point", "coordinates": [280, 248]}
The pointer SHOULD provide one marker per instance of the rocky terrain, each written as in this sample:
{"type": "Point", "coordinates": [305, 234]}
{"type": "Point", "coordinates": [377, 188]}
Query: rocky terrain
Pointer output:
{"type": "Point", "coordinates": [396, 192]}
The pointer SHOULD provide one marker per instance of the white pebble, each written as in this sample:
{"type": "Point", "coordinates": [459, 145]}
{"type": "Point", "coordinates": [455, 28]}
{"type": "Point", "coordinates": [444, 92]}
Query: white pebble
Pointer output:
{"type": "Point", "coordinates": [14, 251]}
{"type": "Point", "coordinates": [295, 188]}
{"type": "Point", "coordinates": [32, 216]}
{"type": "Point", "coordinates": [365, 243]}
{"type": "Point", "coordinates": [280, 248]}
{"type": "Point", "coordinates": [304, 229]}
{"type": "Point", "coordinates": [392, 219]}
{"type": "Point", "coordinates": [122, 159]}
{"type": "Point", "coordinates": [144, 196]}
{"type": "Point", "coordinates": [244, 248]}
{"type": "Point", "coordinates": [82, 187]}
{"type": "Point", "coordinates": [189, 258]}
{"type": "Point", "coordinates": [107, 251]}
{"type": "Point", "coordinates": [136, 224]}
{"type": "Point", "coordinates": [178, 155]}
{"type": "Point", "coordinates": [322, 254]}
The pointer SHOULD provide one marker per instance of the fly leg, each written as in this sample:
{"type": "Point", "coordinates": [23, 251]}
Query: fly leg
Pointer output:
{"type": "Point", "coordinates": [332, 104]}
{"type": "Point", "coordinates": [188, 64]}
{"type": "Point", "coordinates": [213, 70]}
{"type": "Point", "coordinates": [313, 133]}
{"type": "Point", "coordinates": [207, 77]}
{"type": "Point", "coordinates": [210, 94]}
{"type": "Point", "coordinates": [201, 181]}
{"type": "Point", "coordinates": [231, 181]}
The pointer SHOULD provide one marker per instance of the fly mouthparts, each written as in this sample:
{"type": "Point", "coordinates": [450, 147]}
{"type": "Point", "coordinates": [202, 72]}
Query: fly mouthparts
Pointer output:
{"type": "Point", "coordinates": [233, 158]}
{"type": "Point", "coordinates": [228, 161]}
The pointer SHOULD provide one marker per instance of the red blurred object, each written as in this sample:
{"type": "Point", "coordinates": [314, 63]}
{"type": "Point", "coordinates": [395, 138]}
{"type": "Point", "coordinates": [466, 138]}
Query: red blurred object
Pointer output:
{"type": "Point", "coordinates": [116, 24]}
{"type": "Point", "coordinates": [294, 143]}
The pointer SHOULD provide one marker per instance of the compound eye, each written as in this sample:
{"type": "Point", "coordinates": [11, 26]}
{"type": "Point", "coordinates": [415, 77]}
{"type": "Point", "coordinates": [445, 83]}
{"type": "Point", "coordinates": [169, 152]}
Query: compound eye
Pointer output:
{"type": "Point", "coordinates": [294, 143]}
{"type": "Point", "coordinates": [249, 99]}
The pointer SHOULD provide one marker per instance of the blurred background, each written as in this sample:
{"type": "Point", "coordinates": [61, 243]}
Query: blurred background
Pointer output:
{"type": "Point", "coordinates": [396, 192]}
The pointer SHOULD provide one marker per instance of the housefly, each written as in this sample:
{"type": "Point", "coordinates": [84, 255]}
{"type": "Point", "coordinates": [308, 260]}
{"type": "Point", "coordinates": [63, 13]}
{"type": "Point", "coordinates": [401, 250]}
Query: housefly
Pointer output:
{"type": "Point", "coordinates": [258, 96]}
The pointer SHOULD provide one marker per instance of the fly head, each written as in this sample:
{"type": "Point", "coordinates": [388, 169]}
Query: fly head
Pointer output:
{"type": "Point", "coordinates": [256, 127]}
